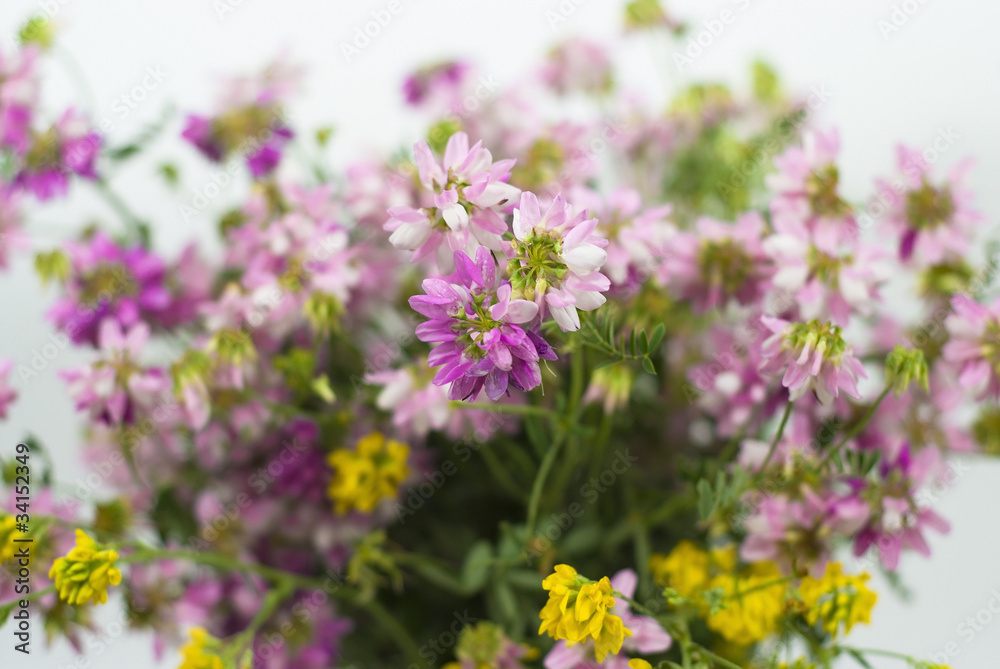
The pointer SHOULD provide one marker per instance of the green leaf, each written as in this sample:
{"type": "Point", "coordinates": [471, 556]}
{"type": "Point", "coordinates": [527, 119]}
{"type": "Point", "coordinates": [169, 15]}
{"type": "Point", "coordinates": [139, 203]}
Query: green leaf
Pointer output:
{"type": "Point", "coordinates": [657, 337]}
{"type": "Point", "coordinates": [644, 342]}
{"type": "Point", "coordinates": [706, 503]}
{"type": "Point", "coordinates": [477, 566]}
{"type": "Point", "coordinates": [648, 365]}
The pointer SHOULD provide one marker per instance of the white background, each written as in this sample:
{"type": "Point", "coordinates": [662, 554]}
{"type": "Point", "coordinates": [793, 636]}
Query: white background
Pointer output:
{"type": "Point", "coordinates": [939, 70]}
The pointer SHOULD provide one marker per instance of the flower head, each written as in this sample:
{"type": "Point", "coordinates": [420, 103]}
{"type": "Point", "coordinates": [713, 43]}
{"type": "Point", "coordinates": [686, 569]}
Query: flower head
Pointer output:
{"type": "Point", "coordinates": [467, 192]}
{"type": "Point", "coordinates": [837, 599]}
{"type": "Point", "coordinates": [556, 258]}
{"type": "Point", "coordinates": [107, 280]}
{"type": "Point", "coordinates": [754, 604]}
{"type": "Point", "coordinates": [486, 645]}
{"type": "Point", "coordinates": [478, 324]}
{"type": "Point", "coordinates": [367, 475]}
{"type": "Point", "coordinates": [812, 356]}
{"type": "Point", "coordinates": [580, 609]}
{"type": "Point", "coordinates": [202, 651]}
{"type": "Point", "coordinates": [68, 147]}
{"type": "Point", "coordinates": [975, 345]}
{"type": "Point", "coordinates": [86, 572]}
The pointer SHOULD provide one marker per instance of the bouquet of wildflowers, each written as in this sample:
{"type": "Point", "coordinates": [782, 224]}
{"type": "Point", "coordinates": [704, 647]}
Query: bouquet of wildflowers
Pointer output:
{"type": "Point", "coordinates": [611, 388]}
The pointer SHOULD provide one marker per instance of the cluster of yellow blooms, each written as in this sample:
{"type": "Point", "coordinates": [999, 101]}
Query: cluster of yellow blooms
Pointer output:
{"type": "Point", "coordinates": [579, 609]}
{"type": "Point", "coordinates": [837, 598]}
{"type": "Point", "coordinates": [367, 475]}
{"type": "Point", "coordinates": [757, 597]}
{"type": "Point", "coordinates": [201, 652]}
{"type": "Point", "coordinates": [8, 532]}
{"type": "Point", "coordinates": [86, 572]}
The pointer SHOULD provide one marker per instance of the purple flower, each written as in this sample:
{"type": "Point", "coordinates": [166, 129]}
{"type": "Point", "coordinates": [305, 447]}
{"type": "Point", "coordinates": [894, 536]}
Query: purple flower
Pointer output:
{"type": "Point", "coordinates": [69, 147]}
{"type": "Point", "coordinates": [105, 281]}
{"type": "Point", "coordinates": [897, 521]}
{"type": "Point", "coordinates": [18, 97]}
{"type": "Point", "coordinates": [478, 326]}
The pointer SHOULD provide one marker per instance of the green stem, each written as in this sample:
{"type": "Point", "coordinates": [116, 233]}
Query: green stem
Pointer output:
{"type": "Point", "coordinates": [882, 653]}
{"type": "Point", "coordinates": [271, 602]}
{"type": "Point", "coordinates": [501, 474]}
{"type": "Point", "coordinates": [132, 222]}
{"type": "Point", "coordinates": [38, 594]}
{"type": "Point", "coordinates": [539, 484]}
{"type": "Point", "coordinates": [854, 431]}
{"type": "Point", "coordinates": [777, 436]}
{"type": "Point", "coordinates": [396, 630]}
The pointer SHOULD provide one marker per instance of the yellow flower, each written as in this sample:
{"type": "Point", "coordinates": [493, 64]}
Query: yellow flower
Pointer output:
{"type": "Point", "coordinates": [9, 532]}
{"type": "Point", "coordinates": [754, 604]}
{"type": "Point", "coordinates": [367, 475]}
{"type": "Point", "coordinates": [578, 609]}
{"type": "Point", "coordinates": [201, 652]}
{"type": "Point", "coordinates": [688, 568]}
{"type": "Point", "coordinates": [837, 598]}
{"type": "Point", "coordinates": [638, 663]}
{"type": "Point", "coordinates": [86, 572]}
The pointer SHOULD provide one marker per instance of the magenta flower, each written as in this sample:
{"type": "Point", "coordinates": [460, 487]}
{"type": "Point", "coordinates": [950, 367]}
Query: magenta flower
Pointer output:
{"type": "Point", "coordinates": [468, 193]}
{"type": "Point", "coordinates": [811, 356]}
{"type": "Point", "coordinates": [438, 83]}
{"type": "Point", "coordinates": [477, 323]}
{"type": "Point", "coordinates": [69, 147]}
{"type": "Point", "coordinates": [648, 636]}
{"type": "Point", "coordinates": [7, 393]}
{"type": "Point", "coordinates": [556, 258]}
{"type": "Point", "coordinates": [250, 120]}
{"type": "Point", "coordinates": [974, 345]}
{"type": "Point", "coordinates": [108, 281]}
{"type": "Point", "coordinates": [932, 222]}
{"type": "Point", "coordinates": [719, 262]}
{"type": "Point", "coordinates": [897, 520]}
{"type": "Point", "coordinates": [18, 97]}
{"type": "Point", "coordinates": [798, 534]}
{"type": "Point", "coordinates": [115, 387]}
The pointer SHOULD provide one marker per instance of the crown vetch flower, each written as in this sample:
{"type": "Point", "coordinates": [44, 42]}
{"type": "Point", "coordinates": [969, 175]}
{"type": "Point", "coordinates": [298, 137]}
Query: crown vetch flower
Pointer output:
{"type": "Point", "coordinates": [478, 325]}
{"type": "Point", "coordinates": [975, 345]}
{"type": "Point", "coordinates": [112, 389]}
{"type": "Point", "coordinates": [806, 190]}
{"type": "Point", "coordinates": [720, 261]}
{"type": "Point", "coordinates": [897, 520]}
{"type": "Point", "coordinates": [18, 97]}
{"type": "Point", "coordinates": [68, 147]}
{"type": "Point", "coordinates": [469, 192]}
{"type": "Point", "coordinates": [812, 356]}
{"type": "Point", "coordinates": [107, 280]}
{"type": "Point", "coordinates": [580, 609]}
{"type": "Point", "coordinates": [86, 572]}
{"type": "Point", "coordinates": [932, 222]}
{"type": "Point", "coordinates": [555, 260]}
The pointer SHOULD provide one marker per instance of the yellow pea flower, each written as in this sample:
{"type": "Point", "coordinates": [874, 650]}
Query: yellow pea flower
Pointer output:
{"type": "Point", "coordinates": [837, 598]}
{"type": "Point", "coordinates": [86, 572]}
{"type": "Point", "coordinates": [367, 475]}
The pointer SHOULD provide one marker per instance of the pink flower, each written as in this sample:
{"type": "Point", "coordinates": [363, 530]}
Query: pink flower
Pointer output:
{"type": "Point", "coordinates": [115, 387]}
{"type": "Point", "coordinates": [827, 284]}
{"type": "Point", "coordinates": [578, 65]}
{"type": "Point", "coordinates": [806, 190]}
{"type": "Point", "coordinates": [897, 521]}
{"type": "Point", "coordinates": [7, 393]}
{"type": "Point", "coordinates": [468, 193]}
{"type": "Point", "coordinates": [556, 260]}
{"type": "Point", "coordinates": [811, 356]}
{"type": "Point", "coordinates": [798, 534]}
{"type": "Point", "coordinates": [932, 222]}
{"type": "Point", "coordinates": [719, 262]}
{"type": "Point", "coordinates": [973, 345]}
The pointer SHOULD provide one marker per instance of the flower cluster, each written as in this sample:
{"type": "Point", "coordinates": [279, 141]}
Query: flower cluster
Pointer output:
{"type": "Point", "coordinates": [402, 389]}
